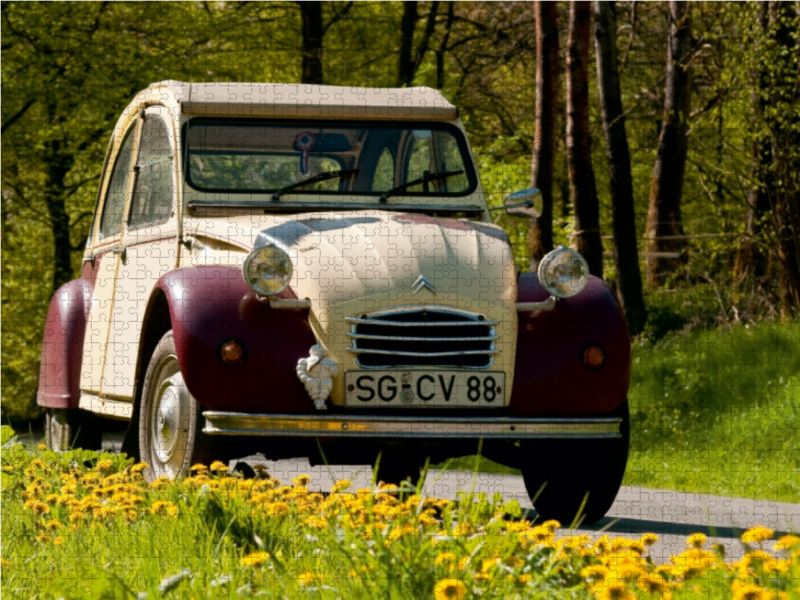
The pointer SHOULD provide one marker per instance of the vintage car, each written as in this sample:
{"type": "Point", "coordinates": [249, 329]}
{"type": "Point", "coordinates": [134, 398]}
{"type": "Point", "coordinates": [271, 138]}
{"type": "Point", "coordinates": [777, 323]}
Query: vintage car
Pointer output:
{"type": "Point", "coordinates": [313, 271]}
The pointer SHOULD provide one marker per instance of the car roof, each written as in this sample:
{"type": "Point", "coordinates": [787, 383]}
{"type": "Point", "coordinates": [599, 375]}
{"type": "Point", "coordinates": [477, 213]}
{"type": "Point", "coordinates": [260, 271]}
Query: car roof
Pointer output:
{"type": "Point", "coordinates": [285, 100]}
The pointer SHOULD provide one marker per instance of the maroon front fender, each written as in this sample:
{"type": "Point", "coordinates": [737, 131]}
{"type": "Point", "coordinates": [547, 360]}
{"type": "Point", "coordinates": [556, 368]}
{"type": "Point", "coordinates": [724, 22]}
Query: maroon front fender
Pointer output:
{"type": "Point", "coordinates": [550, 378]}
{"type": "Point", "coordinates": [62, 345]}
{"type": "Point", "coordinates": [212, 304]}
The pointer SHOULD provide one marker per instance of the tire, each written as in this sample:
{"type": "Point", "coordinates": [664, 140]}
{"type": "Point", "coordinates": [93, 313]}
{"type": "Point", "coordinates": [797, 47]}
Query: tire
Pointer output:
{"type": "Point", "coordinates": [559, 473]}
{"type": "Point", "coordinates": [170, 419]}
{"type": "Point", "coordinates": [67, 428]}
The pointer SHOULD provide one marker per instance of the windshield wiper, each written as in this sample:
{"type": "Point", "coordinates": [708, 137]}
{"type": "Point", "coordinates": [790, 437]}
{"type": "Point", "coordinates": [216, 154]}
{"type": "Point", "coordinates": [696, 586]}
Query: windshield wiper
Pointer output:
{"type": "Point", "coordinates": [316, 178]}
{"type": "Point", "coordinates": [424, 179]}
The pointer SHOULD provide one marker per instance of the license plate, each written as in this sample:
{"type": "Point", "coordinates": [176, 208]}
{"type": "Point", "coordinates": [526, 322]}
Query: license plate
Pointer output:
{"type": "Point", "coordinates": [457, 389]}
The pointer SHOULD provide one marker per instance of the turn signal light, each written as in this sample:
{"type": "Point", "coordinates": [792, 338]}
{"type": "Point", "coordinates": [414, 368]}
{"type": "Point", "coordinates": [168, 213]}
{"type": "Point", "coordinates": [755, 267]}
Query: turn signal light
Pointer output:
{"type": "Point", "coordinates": [594, 357]}
{"type": "Point", "coordinates": [231, 353]}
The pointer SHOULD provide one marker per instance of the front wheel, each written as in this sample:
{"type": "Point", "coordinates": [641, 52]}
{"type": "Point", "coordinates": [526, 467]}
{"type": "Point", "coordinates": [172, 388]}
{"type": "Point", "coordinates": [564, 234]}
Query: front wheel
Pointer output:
{"type": "Point", "coordinates": [170, 420]}
{"type": "Point", "coordinates": [563, 475]}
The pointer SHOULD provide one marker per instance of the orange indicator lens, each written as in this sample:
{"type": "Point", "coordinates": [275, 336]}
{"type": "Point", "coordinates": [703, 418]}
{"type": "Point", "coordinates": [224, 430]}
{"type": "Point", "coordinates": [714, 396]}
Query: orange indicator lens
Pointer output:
{"type": "Point", "coordinates": [594, 357]}
{"type": "Point", "coordinates": [231, 353]}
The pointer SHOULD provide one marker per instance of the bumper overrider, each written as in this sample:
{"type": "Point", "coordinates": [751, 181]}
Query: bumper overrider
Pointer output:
{"type": "Point", "coordinates": [369, 426]}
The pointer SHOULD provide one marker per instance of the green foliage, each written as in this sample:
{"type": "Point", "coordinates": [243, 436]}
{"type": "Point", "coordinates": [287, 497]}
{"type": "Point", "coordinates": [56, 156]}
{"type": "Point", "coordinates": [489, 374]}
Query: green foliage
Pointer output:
{"type": "Point", "coordinates": [715, 412]}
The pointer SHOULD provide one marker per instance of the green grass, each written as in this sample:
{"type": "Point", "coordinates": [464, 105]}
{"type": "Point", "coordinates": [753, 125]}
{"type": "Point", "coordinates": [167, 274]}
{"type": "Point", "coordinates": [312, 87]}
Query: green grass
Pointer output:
{"type": "Point", "coordinates": [714, 412]}
{"type": "Point", "coordinates": [86, 526]}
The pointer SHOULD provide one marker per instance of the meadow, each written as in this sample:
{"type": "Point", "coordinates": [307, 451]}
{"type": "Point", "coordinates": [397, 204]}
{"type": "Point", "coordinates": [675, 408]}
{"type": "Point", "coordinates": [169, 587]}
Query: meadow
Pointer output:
{"type": "Point", "coordinates": [86, 525]}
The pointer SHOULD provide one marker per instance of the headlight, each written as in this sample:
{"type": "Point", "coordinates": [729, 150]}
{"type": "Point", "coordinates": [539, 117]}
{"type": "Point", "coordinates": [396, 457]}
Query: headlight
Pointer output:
{"type": "Point", "coordinates": [268, 270]}
{"type": "Point", "coordinates": [563, 272]}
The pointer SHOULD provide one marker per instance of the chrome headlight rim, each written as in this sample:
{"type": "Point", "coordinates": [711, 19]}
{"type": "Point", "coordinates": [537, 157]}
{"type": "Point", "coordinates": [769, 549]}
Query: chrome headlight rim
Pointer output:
{"type": "Point", "coordinates": [253, 255]}
{"type": "Point", "coordinates": [549, 262]}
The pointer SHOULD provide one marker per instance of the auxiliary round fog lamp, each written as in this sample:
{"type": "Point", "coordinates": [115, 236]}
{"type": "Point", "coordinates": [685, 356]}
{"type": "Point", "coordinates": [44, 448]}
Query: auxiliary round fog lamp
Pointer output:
{"type": "Point", "coordinates": [594, 357]}
{"type": "Point", "coordinates": [563, 272]}
{"type": "Point", "coordinates": [268, 270]}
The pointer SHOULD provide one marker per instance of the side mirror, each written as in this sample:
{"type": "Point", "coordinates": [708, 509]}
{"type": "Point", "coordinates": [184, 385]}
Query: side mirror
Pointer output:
{"type": "Point", "coordinates": [526, 204]}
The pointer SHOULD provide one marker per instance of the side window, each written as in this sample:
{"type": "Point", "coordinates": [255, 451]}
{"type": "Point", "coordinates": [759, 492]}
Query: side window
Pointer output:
{"type": "Point", "coordinates": [383, 179]}
{"type": "Point", "coordinates": [152, 198]}
{"type": "Point", "coordinates": [111, 223]}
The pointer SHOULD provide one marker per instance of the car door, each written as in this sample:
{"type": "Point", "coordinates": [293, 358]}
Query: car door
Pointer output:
{"type": "Point", "coordinates": [149, 249]}
{"type": "Point", "coordinates": [106, 257]}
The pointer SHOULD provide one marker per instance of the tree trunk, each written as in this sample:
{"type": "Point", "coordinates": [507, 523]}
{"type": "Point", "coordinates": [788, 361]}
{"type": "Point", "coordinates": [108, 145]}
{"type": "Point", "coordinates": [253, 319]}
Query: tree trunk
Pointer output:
{"type": "Point", "coordinates": [666, 187]}
{"type": "Point", "coordinates": [626, 253]}
{"type": "Point", "coordinates": [780, 179]}
{"type": "Point", "coordinates": [540, 236]}
{"type": "Point", "coordinates": [405, 67]}
{"type": "Point", "coordinates": [311, 13]}
{"type": "Point", "coordinates": [443, 45]}
{"type": "Point", "coordinates": [582, 185]}
{"type": "Point", "coordinates": [58, 166]}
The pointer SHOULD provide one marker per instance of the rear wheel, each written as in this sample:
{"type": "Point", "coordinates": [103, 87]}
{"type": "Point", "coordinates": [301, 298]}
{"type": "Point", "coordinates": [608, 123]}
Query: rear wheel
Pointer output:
{"type": "Point", "coordinates": [560, 475]}
{"type": "Point", "coordinates": [67, 428]}
{"type": "Point", "coordinates": [170, 420]}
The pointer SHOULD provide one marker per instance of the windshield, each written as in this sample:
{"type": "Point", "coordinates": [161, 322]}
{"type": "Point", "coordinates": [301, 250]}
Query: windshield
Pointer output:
{"type": "Point", "coordinates": [258, 156]}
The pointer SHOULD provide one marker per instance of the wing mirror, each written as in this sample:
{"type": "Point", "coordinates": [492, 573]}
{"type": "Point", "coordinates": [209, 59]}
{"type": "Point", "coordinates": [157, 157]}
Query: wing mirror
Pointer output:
{"type": "Point", "coordinates": [526, 204]}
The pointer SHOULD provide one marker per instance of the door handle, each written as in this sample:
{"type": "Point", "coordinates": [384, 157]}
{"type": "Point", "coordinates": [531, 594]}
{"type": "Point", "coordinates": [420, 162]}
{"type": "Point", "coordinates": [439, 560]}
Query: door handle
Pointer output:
{"type": "Point", "coordinates": [123, 252]}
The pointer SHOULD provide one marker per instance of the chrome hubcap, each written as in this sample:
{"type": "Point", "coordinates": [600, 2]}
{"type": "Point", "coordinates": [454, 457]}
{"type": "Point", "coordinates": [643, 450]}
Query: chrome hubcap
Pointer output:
{"type": "Point", "coordinates": [168, 430]}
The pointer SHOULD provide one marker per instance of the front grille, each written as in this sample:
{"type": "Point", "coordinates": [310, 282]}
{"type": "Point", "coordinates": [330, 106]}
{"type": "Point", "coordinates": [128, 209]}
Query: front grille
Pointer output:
{"type": "Point", "coordinates": [438, 337]}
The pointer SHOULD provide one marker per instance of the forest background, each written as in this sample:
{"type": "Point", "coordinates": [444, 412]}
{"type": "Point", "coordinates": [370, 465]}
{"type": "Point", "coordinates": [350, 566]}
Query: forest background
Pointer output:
{"type": "Point", "coordinates": [665, 136]}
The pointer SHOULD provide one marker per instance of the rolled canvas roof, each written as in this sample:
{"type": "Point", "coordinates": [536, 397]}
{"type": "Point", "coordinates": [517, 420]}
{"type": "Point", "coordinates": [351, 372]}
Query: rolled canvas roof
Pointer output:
{"type": "Point", "coordinates": [309, 101]}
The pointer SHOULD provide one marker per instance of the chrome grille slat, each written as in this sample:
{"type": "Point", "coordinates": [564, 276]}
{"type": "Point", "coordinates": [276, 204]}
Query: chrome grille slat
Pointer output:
{"type": "Point", "coordinates": [413, 337]}
{"type": "Point", "coordinates": [422, 323]}
{"type": "Point", "coordinates": [426, 354]}
{"type": "Point", "coordinates": [364, 336]}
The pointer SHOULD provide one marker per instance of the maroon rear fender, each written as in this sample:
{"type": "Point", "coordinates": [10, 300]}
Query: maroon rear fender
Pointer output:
{"type": "Point", "coordinates": [62, 344]}
{"type": "Point", "coordinates": [550, 378]}
{"type": "Point", "coordinates": [211, 305]}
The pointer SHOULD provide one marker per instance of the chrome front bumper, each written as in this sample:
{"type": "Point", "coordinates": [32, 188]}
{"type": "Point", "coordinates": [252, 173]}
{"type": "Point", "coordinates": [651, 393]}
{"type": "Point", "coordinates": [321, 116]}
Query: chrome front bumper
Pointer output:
{"type": "Point", "coordinates": [370, 426]}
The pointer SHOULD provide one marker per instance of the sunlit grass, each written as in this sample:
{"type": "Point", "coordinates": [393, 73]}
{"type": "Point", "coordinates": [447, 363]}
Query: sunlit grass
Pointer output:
{"type": "Point", "coordinates": [83, 525]}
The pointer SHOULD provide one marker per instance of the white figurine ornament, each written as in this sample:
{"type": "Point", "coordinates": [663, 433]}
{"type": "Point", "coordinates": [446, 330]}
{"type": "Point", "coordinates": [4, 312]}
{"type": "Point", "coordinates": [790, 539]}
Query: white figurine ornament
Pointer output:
{"type": "Point", "coordinates": [317, 373]}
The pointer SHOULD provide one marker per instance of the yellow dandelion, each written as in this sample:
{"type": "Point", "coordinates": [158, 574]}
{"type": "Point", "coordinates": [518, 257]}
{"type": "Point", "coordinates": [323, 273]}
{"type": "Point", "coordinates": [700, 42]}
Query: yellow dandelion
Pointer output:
{"type": "Point", "coordinates": [525, 578]}
{"type": "Point", "coordinates": [551, 524]}
{"type": "Point", "coordinates": [352, 574]}
{"type": "Point", "coordinates": [696, 540]}
{"type": "Point", "coordinates": [198, 468]}
{"type": "Point", "coordinates": [302, 480]}
{"type": "Point", "coordinates": [52, 525]}
{"type": "Point", "coordinates": [787, 542]}
{"type": "Point", "coordinates": [37, 507]}
{"type": "Point", "coordinates": [8, 469]}
{"type": "Point", "coordinates": [514, 561]}
{"type": "Point", "coordinates": [307, 578]}
{"type": "Point", "coordinates": [489, 563]}
{"type": "Point", "coordinates": [757, 535]}
{"type": "Point", "coordinates": [218, 465]}
{"type": "Point", "coordinates": [483, 576]}
{"type": "Point", "coordinates": [450, 589]}
{"type": "Point", "coordinates": [594, 572]}
{"type": "Point", "coordinates": [139, 467]}
{"type": "Point", "coordinates": [277, 509]}
{"type": "Point", "coordinates": [58, 541]}
{"type": "Point", "coordinates": [255, 558]}
{"type": "Point", "coordinates": [749, 591]}
{"type": "Point", "coordinates": [425, 520]}
{"type": "Point", "coordinates": [615, 589]}
{"type": "Point", "coordinates": [41, 447]}
{"type": "Point", "coordinates": [447, 559]}
{"type": "Point", "coordinates": [464, 529]}
{"type": "Point", "coordinates": [104, 465]}
{"type": "Point", "coordinates": [5, 564]}
{"type": "Point", "coordinates": [341, 485]}
{"type": "Point", "coordinates": [653, 583]}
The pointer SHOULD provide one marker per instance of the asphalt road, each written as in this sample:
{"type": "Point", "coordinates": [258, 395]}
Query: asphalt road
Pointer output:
{"type": "Point", "coordinates": [672, 515]}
